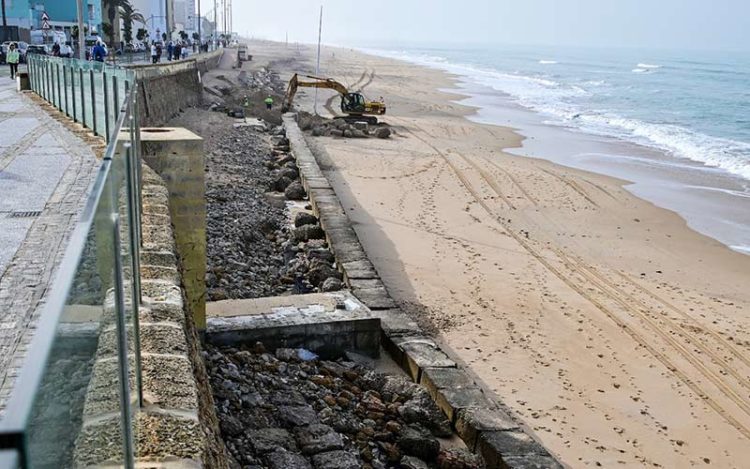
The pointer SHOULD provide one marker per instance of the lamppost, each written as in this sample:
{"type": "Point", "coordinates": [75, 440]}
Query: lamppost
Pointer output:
{"type": "Point", "coordinates": [158, 31]}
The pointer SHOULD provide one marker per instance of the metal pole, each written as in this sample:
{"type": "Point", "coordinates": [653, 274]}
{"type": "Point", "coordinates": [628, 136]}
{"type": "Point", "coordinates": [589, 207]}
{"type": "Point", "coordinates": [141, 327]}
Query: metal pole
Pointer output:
{"type": "Point", "coordinates": [48, 92]}
{"type": "Point", "coordinates": [83, 97]}
{"type": "Point", "coordinates": [200, 36]}
{"type": "Point", "coordinates": [106, 106]}
{"type": "Point", "coordinates": [122, 339]}
{"type": "Point", "coordinates": [132, 188]}
{"type": "Point", "coordinates": [166, 20]}
{"type": "Point", "coordinates": [317, 66]}
{"type": "Point", "coordinates": [81, 32]}
{"type": "Point", "coordinates": [59, 94]}
{"type": "Point", "coordinates": [73, 92]}
{"type": "Point", "coordinates": [65, 88]}
{"type": "Point", "coordinates": [93, 100]}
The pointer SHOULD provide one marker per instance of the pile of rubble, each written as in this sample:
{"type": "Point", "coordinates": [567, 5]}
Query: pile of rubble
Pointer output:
{"type": "Point", "coordinates": [290, 410]}
{"type": "Point", "coordinates": [320, 126]}
{"type": "Point", "coordinates": [262, 80]}
{"type": "Point", "coordinates": [252, 249]}
{"type": "Point", "coordinates": [309, 265]}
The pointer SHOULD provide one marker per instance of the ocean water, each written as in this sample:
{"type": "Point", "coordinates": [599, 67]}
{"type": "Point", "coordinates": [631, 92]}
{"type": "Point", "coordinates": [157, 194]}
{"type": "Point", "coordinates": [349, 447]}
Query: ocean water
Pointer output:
{"type": "Point", "coordinates": [692, 107]}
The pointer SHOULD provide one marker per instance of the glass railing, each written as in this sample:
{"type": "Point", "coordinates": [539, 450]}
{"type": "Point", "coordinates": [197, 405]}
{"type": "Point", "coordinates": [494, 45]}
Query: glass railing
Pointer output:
{"type": "Point", "coordinates": [74, 399]}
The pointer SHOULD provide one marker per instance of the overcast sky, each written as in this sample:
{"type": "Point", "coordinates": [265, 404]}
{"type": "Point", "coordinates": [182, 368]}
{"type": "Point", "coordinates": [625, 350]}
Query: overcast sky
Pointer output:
{"type": "Point", "coordinates": [673, 24]}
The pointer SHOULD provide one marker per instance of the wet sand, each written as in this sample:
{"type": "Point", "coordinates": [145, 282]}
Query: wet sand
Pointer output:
{"type": "Point", "coordinates": [607, 325]}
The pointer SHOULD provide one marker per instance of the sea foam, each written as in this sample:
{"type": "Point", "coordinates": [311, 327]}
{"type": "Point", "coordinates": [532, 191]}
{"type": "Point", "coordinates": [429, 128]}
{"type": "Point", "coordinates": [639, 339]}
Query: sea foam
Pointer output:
{"type": "Point", "coordinates": [565, 103]}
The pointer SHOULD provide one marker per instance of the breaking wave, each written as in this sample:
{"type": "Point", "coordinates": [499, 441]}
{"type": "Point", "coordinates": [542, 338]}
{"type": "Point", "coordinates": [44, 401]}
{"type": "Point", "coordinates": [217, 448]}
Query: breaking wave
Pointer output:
{"type": "Point", "coordinates": [561, 101]}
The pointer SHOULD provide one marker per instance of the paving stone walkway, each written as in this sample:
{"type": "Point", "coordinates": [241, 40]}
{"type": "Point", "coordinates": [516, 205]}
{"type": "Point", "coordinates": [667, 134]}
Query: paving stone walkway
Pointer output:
{"type": "Point", "coordinates": [45, 175]}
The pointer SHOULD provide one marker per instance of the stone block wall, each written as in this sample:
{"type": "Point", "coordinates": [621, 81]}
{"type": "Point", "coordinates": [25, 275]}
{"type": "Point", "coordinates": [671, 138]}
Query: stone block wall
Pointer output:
{"type": "Point", "coordinates": [165, 89]}
{"type": "Point", "coordinates": [176, 155]}
{"type": "Point", "coordinates": [177, 425]}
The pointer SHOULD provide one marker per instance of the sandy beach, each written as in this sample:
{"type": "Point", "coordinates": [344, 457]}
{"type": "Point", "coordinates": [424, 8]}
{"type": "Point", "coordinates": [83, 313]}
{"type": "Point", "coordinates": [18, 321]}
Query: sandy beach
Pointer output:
{"type": "Point", "coordinates": [615, 332]}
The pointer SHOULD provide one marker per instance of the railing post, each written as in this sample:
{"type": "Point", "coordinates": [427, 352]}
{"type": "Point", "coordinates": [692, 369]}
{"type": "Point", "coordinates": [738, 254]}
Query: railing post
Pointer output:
{"type": "Point", "coordinates": [132, 188]}
{"type": "Point", "coordinates": [106, 106]}
{"type": "Point", "coordinates": [138, 161]}
{"type": "Point", "coordinates": [65, 87]}
{"type": "Point", "coordinates": [73, 92]}
{"type": "Point", "coordinates": [116, 97]}
{"type": "Point", "coordinates": [59, 94]}
{"type": "Point", "coordinates": [83, 97]}
{"type": "Point", "coordinates": [46, 81]}
{"type": "Point", "coordinates": [122, 345]}
{"type": "Point", "coordinates": [93, 100]}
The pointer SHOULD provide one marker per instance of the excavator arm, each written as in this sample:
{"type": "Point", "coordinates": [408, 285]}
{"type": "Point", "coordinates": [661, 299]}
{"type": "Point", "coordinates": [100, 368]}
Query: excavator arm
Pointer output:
{"type": "Point", "coordinates": [353, 104]}
{"type": "Point", "coordinates": [295, 83]}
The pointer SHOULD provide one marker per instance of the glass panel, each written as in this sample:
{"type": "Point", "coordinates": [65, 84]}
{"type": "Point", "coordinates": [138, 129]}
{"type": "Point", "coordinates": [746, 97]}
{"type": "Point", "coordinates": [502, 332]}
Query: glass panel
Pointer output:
{"type": "Point", "coordinates": [68, 408]}
{"type": "Point", "coordinates": [76, 418]}
{"type": "Point", "coordinates": [9, 459]}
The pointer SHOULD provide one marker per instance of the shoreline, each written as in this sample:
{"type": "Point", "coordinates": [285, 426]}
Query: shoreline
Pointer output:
{"type": "Point", "coordinates": [720, 210]}
{"type": "Point", "coordinates": [614, 331]}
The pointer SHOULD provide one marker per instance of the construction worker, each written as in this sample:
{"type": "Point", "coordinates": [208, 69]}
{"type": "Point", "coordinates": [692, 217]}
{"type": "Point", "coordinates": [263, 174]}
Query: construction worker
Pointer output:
{"type": "Point", "coordinates": [13, 58]}
{"type": "Point", "coordinates": [269, 102]}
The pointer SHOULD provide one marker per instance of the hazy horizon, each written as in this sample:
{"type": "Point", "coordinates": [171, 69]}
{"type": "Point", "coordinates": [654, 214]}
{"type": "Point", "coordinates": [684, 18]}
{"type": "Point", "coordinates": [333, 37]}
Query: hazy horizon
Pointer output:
{"type": "Point", "coordinates": [670, 24]}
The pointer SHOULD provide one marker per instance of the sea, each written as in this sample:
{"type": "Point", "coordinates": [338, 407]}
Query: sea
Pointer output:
{"type": "Point", "coordinates": [675, 124]}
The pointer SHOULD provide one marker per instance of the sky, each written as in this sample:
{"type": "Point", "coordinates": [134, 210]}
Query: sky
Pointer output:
{"type": "Point", "coordinates": [660, 24]}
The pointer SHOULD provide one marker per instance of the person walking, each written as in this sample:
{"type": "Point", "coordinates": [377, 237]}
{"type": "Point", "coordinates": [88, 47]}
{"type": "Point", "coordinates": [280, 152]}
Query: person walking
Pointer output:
{"type": "Point", "coordinates": [158, 52]}
{"type": "Point", "coordinates": [153, 52]}
{"type": "Point", "coordinates": [170, 50]}
{"type": "Point", "coordinates": [13, 58]}
{"type": "Point", "coordinates": [269, 102]}
{"type": "Point", "coordinates": [100, 53]}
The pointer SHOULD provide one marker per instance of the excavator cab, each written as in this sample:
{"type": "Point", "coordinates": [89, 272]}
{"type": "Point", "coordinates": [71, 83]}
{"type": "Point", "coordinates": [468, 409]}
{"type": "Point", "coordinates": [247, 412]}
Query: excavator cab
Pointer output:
{"type": "Point", "coordinates": [353, 103]}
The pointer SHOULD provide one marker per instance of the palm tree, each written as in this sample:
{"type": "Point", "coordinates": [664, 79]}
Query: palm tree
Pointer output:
{"type": "Point", "coordinates": [112, 7]}
{"type": "Point", "coordinates": [128, 14]}
{"type": "Point", "coordinates": [120, 9]}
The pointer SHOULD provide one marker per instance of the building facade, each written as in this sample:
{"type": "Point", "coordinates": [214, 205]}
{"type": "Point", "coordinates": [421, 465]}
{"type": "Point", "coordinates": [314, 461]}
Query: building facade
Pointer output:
{"type": "Point", "coordinates": [159, 15]}
{"type": "Point", "coordinates": [63, 14]}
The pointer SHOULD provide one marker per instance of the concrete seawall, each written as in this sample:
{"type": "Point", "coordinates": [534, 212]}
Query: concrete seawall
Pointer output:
{"type": "Point", "coordinates": [166, 89]}
{"type": "Point", "coordinates": [476, 414]}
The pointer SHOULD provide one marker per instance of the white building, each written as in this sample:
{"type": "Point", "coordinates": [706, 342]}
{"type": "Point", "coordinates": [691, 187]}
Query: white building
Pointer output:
{"type": "Point", "coordinates": [155, 12]}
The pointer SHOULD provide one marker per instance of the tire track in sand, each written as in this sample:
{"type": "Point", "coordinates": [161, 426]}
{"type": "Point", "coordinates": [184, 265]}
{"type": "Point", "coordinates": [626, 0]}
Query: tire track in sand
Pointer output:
{"type": "Point", "coordinates": [610, 293]}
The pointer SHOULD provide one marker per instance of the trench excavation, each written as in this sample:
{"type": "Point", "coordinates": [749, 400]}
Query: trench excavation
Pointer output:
{"type": "Point", "coordinates": [297, 373]}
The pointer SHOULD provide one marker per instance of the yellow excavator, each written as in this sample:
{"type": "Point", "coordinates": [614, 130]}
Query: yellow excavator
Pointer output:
{"type": "Point", "coordinates": [353, 104]}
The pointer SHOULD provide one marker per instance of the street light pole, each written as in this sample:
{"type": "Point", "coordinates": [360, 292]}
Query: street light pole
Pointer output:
{"type": "Point", "coordinates": [81, 32]}
{"type": "Point", "coordinates": [5, 22]}
{"type": "Point", "coordinates": [200, 20]}
{"type": "Point", "coordinates": [166, 20]}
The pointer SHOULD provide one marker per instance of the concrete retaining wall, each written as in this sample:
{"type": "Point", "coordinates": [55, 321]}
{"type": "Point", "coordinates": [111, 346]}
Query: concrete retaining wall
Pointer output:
{"type": "Point", "coordinates": [476, 415]}
{"type": "Point", "coordinates": [177, 425]}
{"type": "Point", "coordinates": [166, 89]}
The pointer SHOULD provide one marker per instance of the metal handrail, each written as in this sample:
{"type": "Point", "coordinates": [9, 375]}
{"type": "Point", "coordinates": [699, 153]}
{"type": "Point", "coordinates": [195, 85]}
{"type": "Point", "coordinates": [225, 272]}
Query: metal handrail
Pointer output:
{"type": "Point", "coordinates": [49, 79]}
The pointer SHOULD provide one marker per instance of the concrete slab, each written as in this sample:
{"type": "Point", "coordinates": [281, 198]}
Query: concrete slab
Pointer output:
{"type": "Point", "coordinates": [499, 449]}
{"type": "Point", "coordinates": [375, 298]}
{"type": "Point", "coordinates": [471, 423]}
{"type": "Point", "coordinates": [359, 270]}
{"type": "Point", "coordinates": [254, 306]}
{"type": "Point", "coordinates": [325, 323]}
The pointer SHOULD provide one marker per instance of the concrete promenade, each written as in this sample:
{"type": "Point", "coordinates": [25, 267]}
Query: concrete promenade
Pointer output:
{"type": "Point", "coordinates": [45, 175]}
